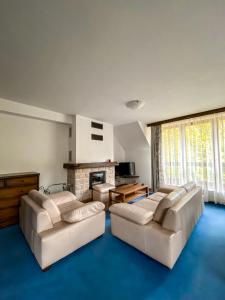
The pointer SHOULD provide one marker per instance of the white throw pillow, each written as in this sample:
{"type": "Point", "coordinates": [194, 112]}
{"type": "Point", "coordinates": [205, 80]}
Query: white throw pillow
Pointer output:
{"type": "Point", "coordinates": [132, 212]}
{"type": "Point", "coordinates": [83, 212]}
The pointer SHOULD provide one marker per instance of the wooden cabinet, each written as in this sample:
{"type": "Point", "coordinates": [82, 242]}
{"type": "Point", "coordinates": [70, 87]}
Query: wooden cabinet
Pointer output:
{"type": "Point", "coordinates": [12, 187]}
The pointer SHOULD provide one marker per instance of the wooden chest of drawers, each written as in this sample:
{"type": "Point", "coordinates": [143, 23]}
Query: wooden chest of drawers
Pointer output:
{"type": "Point", "coordinates": [12, 187]}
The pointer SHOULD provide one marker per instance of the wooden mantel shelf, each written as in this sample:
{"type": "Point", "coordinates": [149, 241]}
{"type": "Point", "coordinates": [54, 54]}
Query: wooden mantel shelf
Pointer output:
{"type": "Point", "coordinates": [74, 166]}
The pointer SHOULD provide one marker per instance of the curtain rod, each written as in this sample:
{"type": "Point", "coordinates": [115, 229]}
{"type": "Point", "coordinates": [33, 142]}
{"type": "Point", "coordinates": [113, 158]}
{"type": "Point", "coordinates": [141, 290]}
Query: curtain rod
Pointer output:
{"type": "Point", "coordinates": [199, 114]}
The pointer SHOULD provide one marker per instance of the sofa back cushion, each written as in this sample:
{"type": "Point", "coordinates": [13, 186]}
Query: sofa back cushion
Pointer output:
{"type": "Point", "coordinates": [189, 186]}
{"type": "Point", "coordinates": [62, 197]}
{"type": "Point", "coordinates": [46, 203]}
{"type": "Point", "coordinates": [167, 188]}
{"type": "Point", "coordinates": [83, 212]}
{"type": "Point", "coordinates": [37, 197]}
{"type": "Point", "coordinates": [169, 201]}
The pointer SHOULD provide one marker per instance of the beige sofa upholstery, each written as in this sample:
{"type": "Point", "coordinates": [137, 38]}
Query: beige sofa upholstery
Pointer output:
{"type": "Point", "coordinates": [163, 240]}
{"type": "Point", "coordinates": [51, 238]}
{"type": "Point", "coordinates": [167, 188]}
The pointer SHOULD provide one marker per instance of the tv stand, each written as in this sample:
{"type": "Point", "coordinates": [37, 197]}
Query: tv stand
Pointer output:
{"type": "Point", "coordinates": [126, 179]}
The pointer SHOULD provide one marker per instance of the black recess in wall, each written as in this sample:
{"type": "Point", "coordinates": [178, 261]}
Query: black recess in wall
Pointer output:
{"type": "Point", "coordinates": [70, 155]}
{"type": "Point", "coordinates": [70, 132]}
{"type": "Point", "coordinates": [97, 137]}
{"type": "Point", "coordinates": [96, 125]}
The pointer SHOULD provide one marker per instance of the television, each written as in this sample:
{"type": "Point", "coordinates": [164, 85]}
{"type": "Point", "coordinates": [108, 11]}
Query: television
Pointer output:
{"type": "Point", "coordinates": [125, 169]}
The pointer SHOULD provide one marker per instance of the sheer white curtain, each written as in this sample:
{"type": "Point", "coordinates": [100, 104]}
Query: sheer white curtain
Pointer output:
{"type": "Point", "coordinates": [194, 149]}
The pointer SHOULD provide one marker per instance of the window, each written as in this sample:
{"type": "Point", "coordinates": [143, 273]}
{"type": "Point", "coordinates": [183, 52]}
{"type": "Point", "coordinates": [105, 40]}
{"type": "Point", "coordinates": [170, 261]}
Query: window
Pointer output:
{"type": "Point", "coordinates": [172, 155]}
{"type": "Point", "coordinates": [195, 150]}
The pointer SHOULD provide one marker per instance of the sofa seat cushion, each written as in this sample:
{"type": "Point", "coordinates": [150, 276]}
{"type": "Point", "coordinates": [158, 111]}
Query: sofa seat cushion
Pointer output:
{"type": "Point", "coordinates": [189, 186]}
{"type": "Point", "coordinates": [68, 206]}
{"type": "Point", "coordinates": [147, 204]}
{"type": "Point", "coordinates": [83, 212]}
{"type": "Point", "coordinates": [158, 196]}
{"type": "Point", "coordinates": [46, 203]}
{"type": "Point", "coordinates": [170, 200]}
{"type": "Point", "coordinates": [62, 197]}
{"type": "Point", "coordinates": [132, 212]}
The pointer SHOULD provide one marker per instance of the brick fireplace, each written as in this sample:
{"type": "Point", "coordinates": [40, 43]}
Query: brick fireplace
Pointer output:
{"type": "Point", "coordinates": [78, 176]}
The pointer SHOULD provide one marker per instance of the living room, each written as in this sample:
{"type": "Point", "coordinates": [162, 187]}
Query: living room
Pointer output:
{"type": "Point", "coordinates": [112, 157]}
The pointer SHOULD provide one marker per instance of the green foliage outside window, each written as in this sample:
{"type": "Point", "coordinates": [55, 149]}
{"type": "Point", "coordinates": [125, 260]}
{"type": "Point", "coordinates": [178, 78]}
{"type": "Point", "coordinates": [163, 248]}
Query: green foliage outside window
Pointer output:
{"type": "Point", "coordinates": [189, 152]}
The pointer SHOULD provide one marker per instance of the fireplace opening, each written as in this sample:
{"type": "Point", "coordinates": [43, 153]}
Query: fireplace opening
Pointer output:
{"type": "Point", "coordinates": [96, 178]}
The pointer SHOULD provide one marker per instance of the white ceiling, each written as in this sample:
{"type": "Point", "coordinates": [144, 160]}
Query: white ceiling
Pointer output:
{"type": "Point", "coordinates": [90, 56]}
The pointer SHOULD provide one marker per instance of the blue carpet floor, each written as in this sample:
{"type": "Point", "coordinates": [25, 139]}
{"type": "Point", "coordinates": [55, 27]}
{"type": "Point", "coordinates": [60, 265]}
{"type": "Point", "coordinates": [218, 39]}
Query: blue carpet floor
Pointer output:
{"type": "Point", "coordinates": [108, 268]}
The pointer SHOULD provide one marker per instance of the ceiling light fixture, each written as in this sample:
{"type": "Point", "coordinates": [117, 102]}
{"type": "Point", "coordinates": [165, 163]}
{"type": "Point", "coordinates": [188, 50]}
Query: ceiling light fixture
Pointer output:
{"type": "Point", "coordinates": [135, 104]}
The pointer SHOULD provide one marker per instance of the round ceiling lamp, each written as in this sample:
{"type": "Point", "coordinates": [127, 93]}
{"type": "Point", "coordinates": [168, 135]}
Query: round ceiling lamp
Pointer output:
{"type": "Point", "coordinates": [135, 104]}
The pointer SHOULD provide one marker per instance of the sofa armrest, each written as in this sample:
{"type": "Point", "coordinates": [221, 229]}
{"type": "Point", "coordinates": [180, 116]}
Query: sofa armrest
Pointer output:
{"type": "Point", "coordinates": [131, 212]}
{"type": "Point", "coordinates": [33, 217]}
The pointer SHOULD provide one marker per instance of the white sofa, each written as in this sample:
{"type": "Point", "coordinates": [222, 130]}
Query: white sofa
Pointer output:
{"type": "Point", "coordinates": [159, 226]}
{"type": "Point", "coordinates": [57, 225]}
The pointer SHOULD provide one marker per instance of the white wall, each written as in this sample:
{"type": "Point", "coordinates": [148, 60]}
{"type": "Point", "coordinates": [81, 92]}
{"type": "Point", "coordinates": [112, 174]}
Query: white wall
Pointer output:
{"type": "Point", "coordinates": [134, 139]}
{"type": "Point", "coordinates": [142, 159]}
{"type": "Point", "coordinates": [72, 140]}
{"type": "Point", "coordinates": [88, 150]}
{"type": "Point", "coordinates": [119, 152]}
{"type": "Point", "coordinates": [33, 145]}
